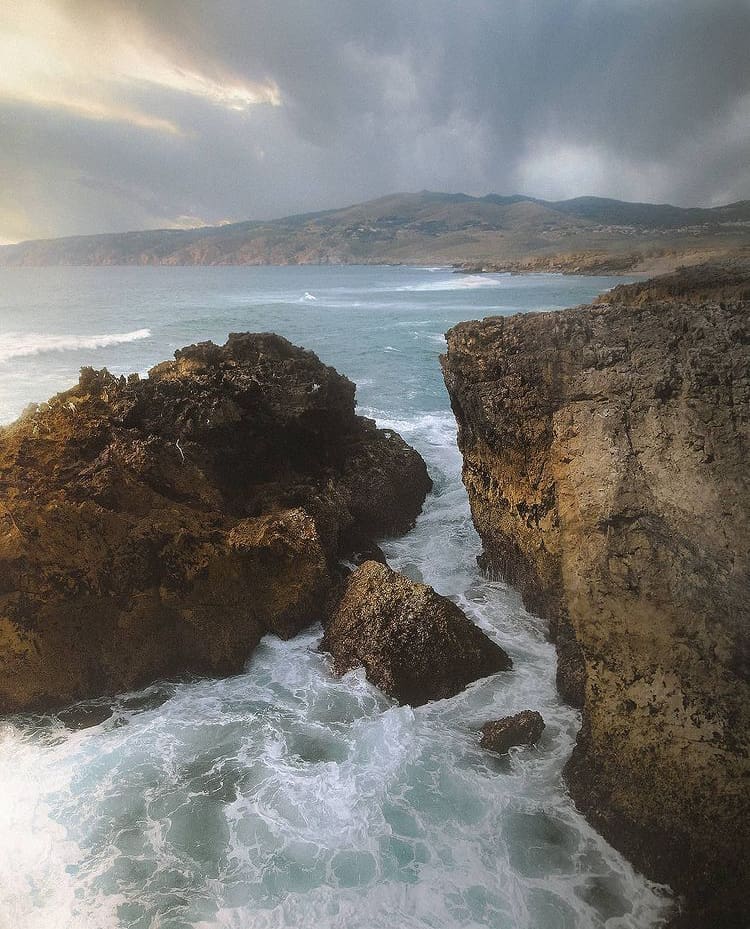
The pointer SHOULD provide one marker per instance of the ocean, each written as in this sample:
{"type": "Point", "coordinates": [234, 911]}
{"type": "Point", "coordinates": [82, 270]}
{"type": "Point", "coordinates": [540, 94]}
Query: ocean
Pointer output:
{"type": "Point", "coordinates": [285, 797]}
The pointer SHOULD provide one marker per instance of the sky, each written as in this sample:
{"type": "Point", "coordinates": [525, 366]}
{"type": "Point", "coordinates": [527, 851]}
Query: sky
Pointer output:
{"type": "Point", "coordinates": [130, 114]}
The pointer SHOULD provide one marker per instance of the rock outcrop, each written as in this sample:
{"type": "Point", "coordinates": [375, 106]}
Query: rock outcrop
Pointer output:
{"type": "Point", "coordinates": [524, 728]}
{"type": "Point", "coordinates": [726, 281]}
{"type": "Point", "coordinates": [606, 458]}
{"type": "Point", "coordinates": [163, 525]}
{"type": "Point", "coordinates": [414, 644]}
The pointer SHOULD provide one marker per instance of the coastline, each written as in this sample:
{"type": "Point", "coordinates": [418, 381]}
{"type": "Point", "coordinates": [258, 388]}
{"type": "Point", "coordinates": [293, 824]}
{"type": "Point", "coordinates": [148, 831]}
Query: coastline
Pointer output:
{"type": "Point", "coordinates": [584, 236]}
{"type": "Point", "coordinates": [626, 297]}
{"type": "Point", "coordinates": [583, 264]}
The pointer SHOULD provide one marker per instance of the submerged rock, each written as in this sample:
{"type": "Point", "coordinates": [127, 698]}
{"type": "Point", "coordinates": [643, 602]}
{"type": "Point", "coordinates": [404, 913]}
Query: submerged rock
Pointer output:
{"type": "Point", "coordinates": [414, 644]}
{"type": "Point", "coordinates": [606, 460]}
{"type": "Point", "coordinates": [157, 526]}
{"type": "Point", "coordinates": [525, 728]}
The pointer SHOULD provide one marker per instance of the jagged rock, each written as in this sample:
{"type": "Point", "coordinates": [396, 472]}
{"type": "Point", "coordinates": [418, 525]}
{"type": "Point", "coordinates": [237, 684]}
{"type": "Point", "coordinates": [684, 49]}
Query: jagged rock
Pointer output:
{"type": "Point", "coordinates": [414, 644]}
{"type": "Point", "coordinates": [163, 525]}
{"type": "Point", "coordinates": [525, 728]}
{"type": "Point", "coordinates": [605, 456]}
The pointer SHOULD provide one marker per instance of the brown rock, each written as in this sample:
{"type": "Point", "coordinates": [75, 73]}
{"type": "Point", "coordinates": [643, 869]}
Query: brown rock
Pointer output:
{"type": "Point", "coordinates": [525, 728]}
{"type": "Point", "coordinates": [414, 644]}
{"type": "Point", "coordinates": [158, 526]}
{"type": "Point", "coordinates": [718, 282]}
{"type": "Point", "coordinates": [605, 457]}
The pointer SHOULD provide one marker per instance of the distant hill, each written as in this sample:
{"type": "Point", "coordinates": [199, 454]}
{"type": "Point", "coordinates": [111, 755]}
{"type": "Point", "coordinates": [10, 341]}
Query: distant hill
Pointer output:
{"type": "Point", "coordinates": [491, 233]}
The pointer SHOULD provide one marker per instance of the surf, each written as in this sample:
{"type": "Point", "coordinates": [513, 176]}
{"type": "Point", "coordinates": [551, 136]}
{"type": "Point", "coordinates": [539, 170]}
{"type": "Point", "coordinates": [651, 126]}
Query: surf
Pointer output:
{"type": "Point", "coordinates": [19, 344]}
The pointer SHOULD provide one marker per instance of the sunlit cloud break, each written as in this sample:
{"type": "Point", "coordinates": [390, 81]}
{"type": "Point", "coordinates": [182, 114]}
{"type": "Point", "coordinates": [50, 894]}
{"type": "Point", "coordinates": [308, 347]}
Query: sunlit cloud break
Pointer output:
{"type": "Point", "coordinates": [234, 95]}
{"type": "Point", "coordinates": [49, 62]}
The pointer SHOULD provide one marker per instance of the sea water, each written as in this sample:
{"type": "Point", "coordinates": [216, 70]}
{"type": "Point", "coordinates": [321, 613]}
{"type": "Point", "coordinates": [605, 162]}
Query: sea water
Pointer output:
{"type": "Point", "coordinates": [285, 797]}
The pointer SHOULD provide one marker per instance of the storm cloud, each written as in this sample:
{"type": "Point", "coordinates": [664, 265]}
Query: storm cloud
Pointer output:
{"type": "Point", "coordinates": [120, 114]}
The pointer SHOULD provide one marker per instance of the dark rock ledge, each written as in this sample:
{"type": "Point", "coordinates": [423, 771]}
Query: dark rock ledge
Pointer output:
{"type": "Point", "coordinates": [606, 455]}
{"type": "Point", "coordinates": [159, 526]}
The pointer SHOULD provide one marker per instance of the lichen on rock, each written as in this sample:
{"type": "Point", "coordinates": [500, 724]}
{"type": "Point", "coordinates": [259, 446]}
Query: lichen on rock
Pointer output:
{"type": "Point", "coordinates": [163, 525]}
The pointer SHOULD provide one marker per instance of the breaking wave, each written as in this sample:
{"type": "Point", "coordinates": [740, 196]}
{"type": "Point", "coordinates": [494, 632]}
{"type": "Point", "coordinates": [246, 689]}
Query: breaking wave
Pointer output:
{"type": "Point", "coordinates": [457, 282]}
{"type": "Point", "coordinates": [18, 344]}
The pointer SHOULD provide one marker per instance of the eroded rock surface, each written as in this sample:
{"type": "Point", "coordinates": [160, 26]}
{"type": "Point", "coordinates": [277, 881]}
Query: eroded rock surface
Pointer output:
{"type": "Point", "coordinates": [414, 644]}
{"type": "Point", "coordinates": [163, 525]}
{"type": "Point", "coordinates": [524, 728]}
{"type": "Point", "coordinates": [606, 459]}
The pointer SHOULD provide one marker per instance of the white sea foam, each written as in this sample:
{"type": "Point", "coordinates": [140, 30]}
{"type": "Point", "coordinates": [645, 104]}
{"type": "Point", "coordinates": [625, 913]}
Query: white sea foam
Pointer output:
{"type": "Point", "coordinates": [41, 866]}
{"type": "Point", "coordinates": [286, 797]}
{"type": "Point", "coordinates": [17, 344]}
{"type": "Point", "coordinates": [457, 282]}
{"type": "Point", "coordinates": [436, 428]}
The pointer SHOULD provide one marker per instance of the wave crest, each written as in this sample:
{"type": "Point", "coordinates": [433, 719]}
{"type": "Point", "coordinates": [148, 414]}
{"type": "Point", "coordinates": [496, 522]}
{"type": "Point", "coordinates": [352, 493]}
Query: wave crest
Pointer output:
{"type": "Point", "coordinates": [460, 282]}
{"type": "Point", "coordinates": [18, 344]}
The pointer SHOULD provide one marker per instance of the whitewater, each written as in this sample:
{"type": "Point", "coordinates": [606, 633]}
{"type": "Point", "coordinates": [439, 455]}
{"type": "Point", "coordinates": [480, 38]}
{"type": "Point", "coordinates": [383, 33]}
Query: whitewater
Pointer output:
{"type": "Point", "coordinates": [283, 796]}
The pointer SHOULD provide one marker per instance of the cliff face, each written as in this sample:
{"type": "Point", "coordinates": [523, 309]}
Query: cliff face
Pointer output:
{"type": "Point", "coordinates": [605, 456]}
{"type": "Point", "coordinates": [158, 526]}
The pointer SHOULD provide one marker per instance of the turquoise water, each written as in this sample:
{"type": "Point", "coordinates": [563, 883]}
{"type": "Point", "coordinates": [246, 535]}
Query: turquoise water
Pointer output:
{"type": "Point", "coordinates": [383, 327]}
{"type": "Point", "coordinates": [284, 797]}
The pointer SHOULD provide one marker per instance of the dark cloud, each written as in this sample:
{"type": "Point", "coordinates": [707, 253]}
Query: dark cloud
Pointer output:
{"type": "Point", "coordinates": [644, 99]}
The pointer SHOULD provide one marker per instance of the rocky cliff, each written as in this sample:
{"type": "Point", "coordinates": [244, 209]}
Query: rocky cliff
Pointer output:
{"type": "Point", "coordinates": [163, 525]}
{"type": "Point", "coordinates": [606, 460]}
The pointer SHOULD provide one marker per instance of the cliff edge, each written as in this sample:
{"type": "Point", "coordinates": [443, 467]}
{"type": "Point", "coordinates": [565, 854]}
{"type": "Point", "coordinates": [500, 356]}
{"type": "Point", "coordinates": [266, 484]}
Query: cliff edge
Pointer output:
{"type": "Point", "coordinates": [606, 461]}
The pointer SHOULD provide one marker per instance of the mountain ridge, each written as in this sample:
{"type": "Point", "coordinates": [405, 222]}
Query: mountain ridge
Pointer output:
{"type": "Point", "coordinates": [491, 232]}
